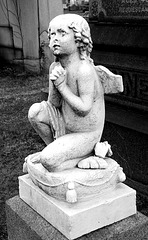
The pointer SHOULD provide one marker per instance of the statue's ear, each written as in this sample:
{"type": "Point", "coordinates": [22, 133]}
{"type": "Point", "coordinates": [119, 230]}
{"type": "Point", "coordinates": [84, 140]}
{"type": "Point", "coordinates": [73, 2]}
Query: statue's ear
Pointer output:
{"type": "Point", "coordinates": [77, 44]}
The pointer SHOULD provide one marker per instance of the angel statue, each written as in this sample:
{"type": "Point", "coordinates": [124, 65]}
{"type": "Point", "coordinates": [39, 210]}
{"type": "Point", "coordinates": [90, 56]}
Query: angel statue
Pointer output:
{"type": "Point", "coordinates": [71, 121]}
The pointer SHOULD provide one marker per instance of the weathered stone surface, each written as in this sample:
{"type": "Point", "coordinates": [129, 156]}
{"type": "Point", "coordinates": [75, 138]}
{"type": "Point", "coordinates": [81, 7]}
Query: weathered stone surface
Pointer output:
{"type": "Point", "coordinates": [24, 223]}
{"type": "Point", "coordinates": [82, 217]}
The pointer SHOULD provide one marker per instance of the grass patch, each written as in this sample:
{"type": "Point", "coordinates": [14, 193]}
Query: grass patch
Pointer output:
{"type": "Point", "coordinates": [18, 91]}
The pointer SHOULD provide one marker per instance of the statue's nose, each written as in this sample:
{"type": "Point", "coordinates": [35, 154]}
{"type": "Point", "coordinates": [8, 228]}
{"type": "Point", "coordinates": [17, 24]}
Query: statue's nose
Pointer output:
{"type": "Point", "coordinates": [56, 39]}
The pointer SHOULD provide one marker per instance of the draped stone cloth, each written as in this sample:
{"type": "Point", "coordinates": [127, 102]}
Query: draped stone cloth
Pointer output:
{"type": "Point", "coordinates": [56, 121]}
{"type": "Point", "coordinates": [87, 182]}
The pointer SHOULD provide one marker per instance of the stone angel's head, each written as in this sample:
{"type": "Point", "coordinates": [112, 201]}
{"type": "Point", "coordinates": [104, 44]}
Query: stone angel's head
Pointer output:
{"type": "Point", "coordinates": [81, 31]}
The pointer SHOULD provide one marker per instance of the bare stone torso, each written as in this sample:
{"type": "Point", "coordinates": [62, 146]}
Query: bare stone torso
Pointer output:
{"type": "Point", "coordinates": [94, 120]}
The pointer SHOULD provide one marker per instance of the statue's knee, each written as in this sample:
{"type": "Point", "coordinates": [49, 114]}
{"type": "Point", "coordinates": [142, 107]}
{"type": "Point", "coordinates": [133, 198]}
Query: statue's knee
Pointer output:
{"type": "Point", "coordinates": [34, 112]}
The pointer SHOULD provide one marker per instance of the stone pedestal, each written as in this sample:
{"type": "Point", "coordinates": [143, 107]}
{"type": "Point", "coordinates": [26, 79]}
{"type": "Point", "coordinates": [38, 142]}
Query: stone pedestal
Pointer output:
{"type": "Point", "coordinates": [23, 223]}
{"type": "Point", "coordinates": [75, 220]}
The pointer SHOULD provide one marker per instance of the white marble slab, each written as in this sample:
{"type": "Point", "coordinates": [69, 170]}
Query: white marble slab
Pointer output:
{"type": "Point", "coordinates": [75, 220]}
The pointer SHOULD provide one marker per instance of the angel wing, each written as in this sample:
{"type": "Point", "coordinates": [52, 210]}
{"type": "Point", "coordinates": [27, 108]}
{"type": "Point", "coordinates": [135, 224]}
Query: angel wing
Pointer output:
{"type": "Point", "coordinates": [112, 83]}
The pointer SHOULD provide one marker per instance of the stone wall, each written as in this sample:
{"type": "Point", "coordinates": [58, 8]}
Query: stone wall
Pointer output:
{"type": "Point", "coordinates": [23, 30]}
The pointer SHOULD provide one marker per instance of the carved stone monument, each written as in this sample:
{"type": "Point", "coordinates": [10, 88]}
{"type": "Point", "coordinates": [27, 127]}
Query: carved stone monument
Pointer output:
{"type": "Point", "coordinates": [118, 10]}
{"type": "Point", "coordinates": [120, 43]}
{"type": "Point", "coordinates": [73, 183]}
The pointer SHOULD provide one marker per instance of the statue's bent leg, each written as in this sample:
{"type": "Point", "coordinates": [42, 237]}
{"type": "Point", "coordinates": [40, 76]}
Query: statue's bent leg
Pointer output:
{"type": "Point", "coordinates": [68, 148]}
{"type": "Point", "coordinates": [38, 117]}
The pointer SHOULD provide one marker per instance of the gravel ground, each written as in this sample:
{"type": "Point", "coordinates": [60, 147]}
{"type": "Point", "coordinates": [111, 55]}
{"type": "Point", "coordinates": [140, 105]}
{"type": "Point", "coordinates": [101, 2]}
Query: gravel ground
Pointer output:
{"type": "Point", "coordinates": [18, 91]}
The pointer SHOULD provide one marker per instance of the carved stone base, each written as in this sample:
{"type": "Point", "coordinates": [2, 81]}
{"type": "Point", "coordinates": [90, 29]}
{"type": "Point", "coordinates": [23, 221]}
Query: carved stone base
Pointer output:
{"type": "Point", "coordinates": [76, 184]}
{"type": "Point", "coordinates": [75, 220]}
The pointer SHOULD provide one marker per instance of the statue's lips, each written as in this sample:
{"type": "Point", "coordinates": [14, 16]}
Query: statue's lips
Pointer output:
{"type": "Point", "coordinates": [56, 46]}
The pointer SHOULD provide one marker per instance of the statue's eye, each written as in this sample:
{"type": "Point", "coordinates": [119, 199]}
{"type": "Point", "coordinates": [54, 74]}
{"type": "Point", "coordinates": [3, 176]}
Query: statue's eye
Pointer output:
{"type": "Point", "coordinates": [62, 32]}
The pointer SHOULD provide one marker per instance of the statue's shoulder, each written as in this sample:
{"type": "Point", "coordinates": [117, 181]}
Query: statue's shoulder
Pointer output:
{"type": "Point", "coordinates": [86, 68]}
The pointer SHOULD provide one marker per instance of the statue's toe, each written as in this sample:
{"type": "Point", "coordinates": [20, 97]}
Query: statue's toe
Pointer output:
{"type": "Point", "coordinates": [84, 163]}
{"type": "Point", "coordinates": [102, 163]}
{"type": "Point", "coordinates": [93, 162]}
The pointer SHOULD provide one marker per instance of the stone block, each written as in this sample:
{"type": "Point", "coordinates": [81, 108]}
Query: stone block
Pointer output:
{"type": "Point", "coordinates": [75, 220]}
{"type": "Point", "coordinates": [23, 223]}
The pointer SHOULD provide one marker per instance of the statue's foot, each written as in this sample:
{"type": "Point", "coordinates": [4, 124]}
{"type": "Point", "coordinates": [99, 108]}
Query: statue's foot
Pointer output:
{"type": "Point", "coordinates": [35, 158]}
{"type": "Point", "coordinates": [93, 162]}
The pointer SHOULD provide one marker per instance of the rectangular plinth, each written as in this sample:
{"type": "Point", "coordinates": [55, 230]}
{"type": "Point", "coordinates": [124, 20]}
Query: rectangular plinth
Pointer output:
{"type": "Point", "coordinates": [74, 220]}
{"type": "Point", "coordinates": [23, 223]}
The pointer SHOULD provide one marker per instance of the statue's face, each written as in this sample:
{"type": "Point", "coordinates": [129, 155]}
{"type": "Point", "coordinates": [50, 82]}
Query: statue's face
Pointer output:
{"type": "Point", "coordinates": [62, 40]}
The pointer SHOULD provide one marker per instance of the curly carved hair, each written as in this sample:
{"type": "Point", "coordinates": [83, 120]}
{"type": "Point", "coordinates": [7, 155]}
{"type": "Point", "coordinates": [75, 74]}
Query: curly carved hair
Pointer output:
{"type": "Point", "coordinates": [81, 31]}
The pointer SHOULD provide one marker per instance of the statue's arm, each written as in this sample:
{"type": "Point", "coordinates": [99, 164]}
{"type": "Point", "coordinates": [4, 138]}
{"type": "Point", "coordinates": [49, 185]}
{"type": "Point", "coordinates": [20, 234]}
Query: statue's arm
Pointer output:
{"type": "Point", "coordinates": [54, 96]}
{"type": "Point", "coordinates": [81, 103]}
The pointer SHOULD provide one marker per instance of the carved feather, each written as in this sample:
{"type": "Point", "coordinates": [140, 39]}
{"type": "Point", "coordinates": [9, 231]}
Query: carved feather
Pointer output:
{"type": "Point", "coordinates": [112, 83]}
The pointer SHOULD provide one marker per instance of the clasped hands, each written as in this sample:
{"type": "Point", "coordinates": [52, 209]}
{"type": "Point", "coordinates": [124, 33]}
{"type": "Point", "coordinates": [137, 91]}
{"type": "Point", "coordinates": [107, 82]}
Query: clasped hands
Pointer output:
{"type": "Point", "coordinates": [58, 76]}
